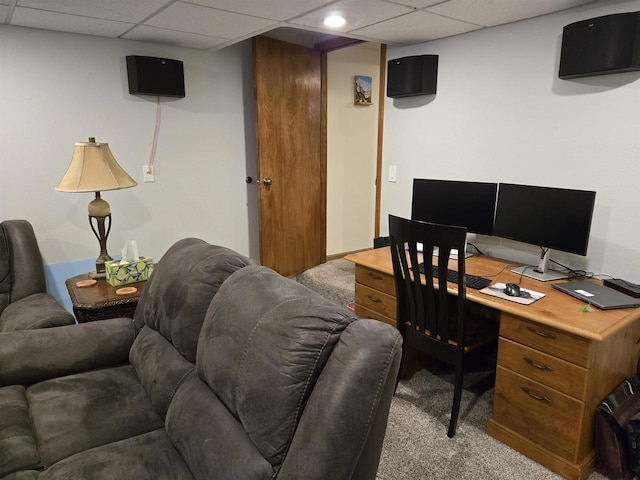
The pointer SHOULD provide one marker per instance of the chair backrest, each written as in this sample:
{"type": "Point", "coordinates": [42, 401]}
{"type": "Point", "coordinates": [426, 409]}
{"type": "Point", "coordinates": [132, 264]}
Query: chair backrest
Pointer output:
{"type": "Point", "coordinates": [423, 309]}
{"type": "Point", "coordinates": [306, 386]}
{"type": "Point", "coordinates": [21, 266]}
{"type": "Point", "coordinates": [176, 297]}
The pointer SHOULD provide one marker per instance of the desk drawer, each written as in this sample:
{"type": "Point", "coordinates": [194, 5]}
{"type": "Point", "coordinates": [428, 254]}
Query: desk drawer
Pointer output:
{"type": "Point", "coordinates": [363, 312]}
{"type": "Point", "coordinates": [376, 280]}
{"type": "Point", "coordinates": [546, 369]}
{"type": "Point", "coordinates": [543, 415]}
{"type": "Point", "coordinates": [375, 300]}
{"type": "Point", "coordinates": [549, 340]}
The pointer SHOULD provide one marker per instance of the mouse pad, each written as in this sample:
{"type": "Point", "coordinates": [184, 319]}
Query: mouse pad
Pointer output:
{"type": "Point", "coordinates": [526, 297]}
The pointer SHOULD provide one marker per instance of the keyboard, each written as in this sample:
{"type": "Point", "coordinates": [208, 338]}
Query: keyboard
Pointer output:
{"type": "Point", "coordinates": [473, 281]}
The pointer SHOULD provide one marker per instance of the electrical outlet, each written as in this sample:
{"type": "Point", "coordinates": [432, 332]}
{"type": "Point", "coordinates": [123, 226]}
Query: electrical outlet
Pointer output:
{"type": "Point", "coordinates": [148, 174]}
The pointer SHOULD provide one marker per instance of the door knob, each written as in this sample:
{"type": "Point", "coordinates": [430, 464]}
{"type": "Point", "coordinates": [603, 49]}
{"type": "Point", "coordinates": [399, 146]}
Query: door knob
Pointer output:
{"type": "Point", "coordinates": [267, 181]}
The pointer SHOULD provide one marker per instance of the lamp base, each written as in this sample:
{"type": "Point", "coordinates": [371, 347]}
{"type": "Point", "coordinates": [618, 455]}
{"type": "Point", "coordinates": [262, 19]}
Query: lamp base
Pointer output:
{"type": "Point", "coordinates": [97, 274]}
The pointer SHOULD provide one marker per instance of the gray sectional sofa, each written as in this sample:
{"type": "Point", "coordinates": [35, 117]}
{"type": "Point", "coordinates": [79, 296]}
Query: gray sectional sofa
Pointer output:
{"type": "Point", "coordinates": [227, 371]}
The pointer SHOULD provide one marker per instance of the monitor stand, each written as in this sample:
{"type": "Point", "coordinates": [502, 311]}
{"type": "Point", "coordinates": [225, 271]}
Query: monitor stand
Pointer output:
{"type": "Point", "coordinates": [541, 272]}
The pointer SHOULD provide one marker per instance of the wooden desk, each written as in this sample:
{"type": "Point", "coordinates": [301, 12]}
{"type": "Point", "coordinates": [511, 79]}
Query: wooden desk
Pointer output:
{"type": "Point", "coordinates": [566, 359]}
{"type": "Point", "coordinates": [100, 301]}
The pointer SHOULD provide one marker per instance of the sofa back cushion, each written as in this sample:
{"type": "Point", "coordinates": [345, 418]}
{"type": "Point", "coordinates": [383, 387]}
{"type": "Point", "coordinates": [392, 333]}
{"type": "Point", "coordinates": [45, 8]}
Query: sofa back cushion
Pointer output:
{"type": "Point", "coordinates": [264, 342]}
{"type": "Point", "coordinates": [180, 289]}
{"type": "Point", "coordinates": [24, 269]}
{"type": "Point", "coordinates": [159, 366]}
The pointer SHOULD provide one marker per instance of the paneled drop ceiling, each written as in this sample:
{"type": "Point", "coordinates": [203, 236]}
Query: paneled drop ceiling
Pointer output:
{"type": "Point", "coordinates": [215, 24]}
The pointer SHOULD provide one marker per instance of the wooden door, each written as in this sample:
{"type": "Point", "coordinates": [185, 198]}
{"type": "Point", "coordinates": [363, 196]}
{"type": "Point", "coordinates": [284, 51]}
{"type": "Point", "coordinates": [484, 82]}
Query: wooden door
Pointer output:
{"type": "Point", "coordinates": [291, 155]}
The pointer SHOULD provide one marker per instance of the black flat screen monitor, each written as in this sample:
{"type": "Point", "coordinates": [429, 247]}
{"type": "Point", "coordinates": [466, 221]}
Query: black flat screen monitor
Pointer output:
{"type": "Point", "coordinates": [459, 203]}
{"type": "Point", "coordinates": [556, 218]}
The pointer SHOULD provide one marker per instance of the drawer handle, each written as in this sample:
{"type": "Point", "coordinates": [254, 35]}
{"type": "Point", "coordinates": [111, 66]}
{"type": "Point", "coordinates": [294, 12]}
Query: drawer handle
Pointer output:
{"type": "Point", "coordinates": [374, 299]}
{"type": "Point", "coordinates": [538, 365]}
{"type": "Point", "coordinates": [551, 336]}
{"type": "Point", "coordinates": [374, 277]}
{"type": "Point", "coordinates": [540, 398]}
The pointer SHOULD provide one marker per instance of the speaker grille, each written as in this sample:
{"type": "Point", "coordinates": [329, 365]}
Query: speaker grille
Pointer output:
{"type": "Point", "coordinates": [602, 45]}
{"type": "Point", "coordinates": [409, 76]}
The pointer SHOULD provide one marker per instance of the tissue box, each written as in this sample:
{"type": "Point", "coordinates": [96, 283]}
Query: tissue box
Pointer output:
{"type": "Point", "coordinates": [123, 273]}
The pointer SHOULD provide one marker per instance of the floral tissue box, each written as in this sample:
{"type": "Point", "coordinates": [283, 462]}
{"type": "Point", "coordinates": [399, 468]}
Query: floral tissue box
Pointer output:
{"type": "Point", "coordinates": [123, 273]}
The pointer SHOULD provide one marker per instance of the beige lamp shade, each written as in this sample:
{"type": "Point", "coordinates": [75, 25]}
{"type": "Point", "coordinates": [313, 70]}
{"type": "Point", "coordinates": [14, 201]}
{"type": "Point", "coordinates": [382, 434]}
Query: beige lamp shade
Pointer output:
{"type": "Point", "coordinates": [93, 169]}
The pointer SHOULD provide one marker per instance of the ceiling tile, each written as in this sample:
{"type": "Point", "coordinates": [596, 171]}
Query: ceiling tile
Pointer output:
{"type": "Point", "coordinates": [357, 13]}
{"type": "Point", "coordinates": [186, 17]}
{"type": "Point", "coordinates": [145, 33]}
{"type": "Point", "coordinates": [122, 10]}
{"type": "Point", "coordinates": [416, 3]}
{"type": "Point", "coordinates": [490, 13]}
{"type": "Point", "coordinates": [272, 9]}
{"type": "Point", "coordinates": [29, 17]}
{"type": "Point", "coordinates": [416, 27]}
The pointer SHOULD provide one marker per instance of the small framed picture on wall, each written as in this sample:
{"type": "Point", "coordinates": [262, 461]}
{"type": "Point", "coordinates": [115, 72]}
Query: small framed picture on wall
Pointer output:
{"type": "Point", "coordinates": [362, 90]}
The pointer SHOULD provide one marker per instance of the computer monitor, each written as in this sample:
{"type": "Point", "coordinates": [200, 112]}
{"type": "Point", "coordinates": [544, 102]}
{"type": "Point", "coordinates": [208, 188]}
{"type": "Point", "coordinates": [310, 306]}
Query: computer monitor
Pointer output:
{"type": "Point", "coordinates": [459, 203]}
{"type": "Point", "coordinates": [552, 218]}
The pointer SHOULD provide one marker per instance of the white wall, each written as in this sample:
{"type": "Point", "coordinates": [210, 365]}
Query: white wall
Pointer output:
{"type": "Point", "coordinates": [352, 135]}
{"type": "Point", "coordinates": [501, 114]}
{"type": "Point", "coordinates": [57, 89]}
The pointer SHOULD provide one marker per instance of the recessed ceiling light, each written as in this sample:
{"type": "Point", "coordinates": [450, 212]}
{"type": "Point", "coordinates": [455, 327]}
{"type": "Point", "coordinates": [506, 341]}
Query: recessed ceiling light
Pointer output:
{"type": "Point", "coordinates": [334, 21]}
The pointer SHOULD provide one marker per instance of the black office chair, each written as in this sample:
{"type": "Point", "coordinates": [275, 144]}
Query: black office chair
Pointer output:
{"type": "Point", "coordinates": [431, 321]}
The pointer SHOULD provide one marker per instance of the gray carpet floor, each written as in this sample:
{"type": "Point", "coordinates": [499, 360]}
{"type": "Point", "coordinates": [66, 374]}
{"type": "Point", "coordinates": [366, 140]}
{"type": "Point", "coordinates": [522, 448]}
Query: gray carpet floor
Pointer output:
{"type": "Point", "coordinates": [416, 445]}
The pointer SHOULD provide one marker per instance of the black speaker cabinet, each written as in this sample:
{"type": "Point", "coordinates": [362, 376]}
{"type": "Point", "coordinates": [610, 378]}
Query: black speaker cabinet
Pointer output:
{"type": "Point", "coordinates": [155, 76]}
{"type": "Point", "coordinates": [602, 45]}
{"type": "Point", "coordinates": [409, 76]}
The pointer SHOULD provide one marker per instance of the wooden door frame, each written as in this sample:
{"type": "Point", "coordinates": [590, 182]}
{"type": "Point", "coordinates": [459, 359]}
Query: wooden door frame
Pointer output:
{"type": "Point", "coordinates": [381, 97]}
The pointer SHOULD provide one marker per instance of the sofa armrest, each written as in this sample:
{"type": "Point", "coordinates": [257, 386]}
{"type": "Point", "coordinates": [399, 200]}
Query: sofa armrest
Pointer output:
{"type": "Point", "coordinates": [39, 310]}
{"type": "Point", "coordinates": [343, 425]}
{"type": "Point", "coordinates": [29, 356]}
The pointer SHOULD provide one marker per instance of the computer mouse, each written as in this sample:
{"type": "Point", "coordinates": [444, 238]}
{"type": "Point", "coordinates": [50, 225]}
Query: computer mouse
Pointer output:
{"type": "Point", "coordinates": [512, 289]}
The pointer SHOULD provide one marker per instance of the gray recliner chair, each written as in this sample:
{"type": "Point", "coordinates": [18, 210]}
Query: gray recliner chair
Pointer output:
{"type": "Point", "coordinates": [24, 301]}
{"type": "Point", "coordinates": [229, 371]}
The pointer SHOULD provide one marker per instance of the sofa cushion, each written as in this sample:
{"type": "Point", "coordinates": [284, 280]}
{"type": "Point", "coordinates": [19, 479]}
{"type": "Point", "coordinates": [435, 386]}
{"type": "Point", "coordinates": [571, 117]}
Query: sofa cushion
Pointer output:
{"type": "Point", "coordinates": [73, 413]}
{"type": "Point", "coordinates": [159, 367]}
{"type": "Point", "coordinates": [39, 310]}
{"type": "Point", "coordinates": [23, 475]}
{"type": "Point", "coordinates": [17, 443]}
{"type": "Point", "coordinates": [212, 441]}
{"type": "Point", "coordinates": [178, 293]}
{"type": "Point", "coordinates": [264, 342]}
{"type": "Point", "coordinates": [145, 457]}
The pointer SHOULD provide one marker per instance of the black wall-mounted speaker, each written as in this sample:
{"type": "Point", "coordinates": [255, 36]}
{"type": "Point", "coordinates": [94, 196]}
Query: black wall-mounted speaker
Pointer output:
{"type": "Point", "coordinates": [602, 45]}
{"type": "Point", "coordinates": [409, 76]}
{"type": "Point", "coordinates": [155, 76]}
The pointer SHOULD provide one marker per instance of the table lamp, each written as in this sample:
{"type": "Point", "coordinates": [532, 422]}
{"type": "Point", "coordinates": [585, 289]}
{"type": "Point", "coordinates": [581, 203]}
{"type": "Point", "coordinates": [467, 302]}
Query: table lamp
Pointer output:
{"type": "Point", "coordinates": [94, 169]}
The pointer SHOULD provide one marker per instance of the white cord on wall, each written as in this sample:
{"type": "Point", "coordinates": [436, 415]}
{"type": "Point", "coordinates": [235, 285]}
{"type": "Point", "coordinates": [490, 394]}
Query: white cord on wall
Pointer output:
{"type": "Point", "coordinates": [155, 139]}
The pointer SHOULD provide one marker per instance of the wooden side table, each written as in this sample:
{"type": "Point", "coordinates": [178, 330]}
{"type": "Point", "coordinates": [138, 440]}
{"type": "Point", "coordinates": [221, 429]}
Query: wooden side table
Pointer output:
{"type": "Point", "coordinates": [100, 301]}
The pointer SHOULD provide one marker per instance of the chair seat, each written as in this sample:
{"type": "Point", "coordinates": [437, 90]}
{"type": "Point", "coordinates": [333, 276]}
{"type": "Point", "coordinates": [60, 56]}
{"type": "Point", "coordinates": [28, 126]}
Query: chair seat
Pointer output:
{"type": "Point", "coordinates": [76, 412]}
{"type": "Point", "coordinates": [150, 456]}
{"type": "Point", "coordinates": [479, 332]}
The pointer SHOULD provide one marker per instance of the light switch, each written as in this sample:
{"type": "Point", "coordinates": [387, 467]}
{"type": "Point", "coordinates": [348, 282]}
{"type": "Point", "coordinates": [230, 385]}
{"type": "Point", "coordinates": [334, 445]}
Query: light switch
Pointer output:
{"type": "Point", "coordinates": [393, 173]}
